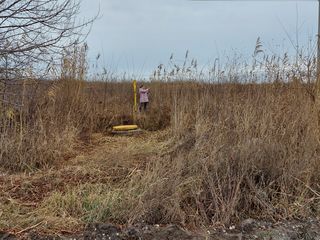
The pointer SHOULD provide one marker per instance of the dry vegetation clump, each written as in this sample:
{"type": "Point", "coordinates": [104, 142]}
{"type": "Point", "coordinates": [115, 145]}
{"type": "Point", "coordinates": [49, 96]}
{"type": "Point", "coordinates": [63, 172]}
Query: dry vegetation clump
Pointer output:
{"type": "Point", "coordinates": [241, 151]}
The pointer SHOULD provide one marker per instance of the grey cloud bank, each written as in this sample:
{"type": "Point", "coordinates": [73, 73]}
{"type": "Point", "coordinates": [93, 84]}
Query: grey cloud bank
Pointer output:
{"type": "Point", "coordinates": [137, 35]}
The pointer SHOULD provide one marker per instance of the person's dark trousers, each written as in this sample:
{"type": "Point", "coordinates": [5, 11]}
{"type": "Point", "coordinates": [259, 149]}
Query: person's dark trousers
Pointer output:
{"type": "Point", "coordinates": [143, 106]}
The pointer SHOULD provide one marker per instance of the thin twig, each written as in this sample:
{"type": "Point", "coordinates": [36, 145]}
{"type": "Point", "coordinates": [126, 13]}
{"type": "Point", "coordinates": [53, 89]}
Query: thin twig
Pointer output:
{"type": "Point", "coordinates": [29, 228]}
{"type": "Point", "coordinates": [308, 187]}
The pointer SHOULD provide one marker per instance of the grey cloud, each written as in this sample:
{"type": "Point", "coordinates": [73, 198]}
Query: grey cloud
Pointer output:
{"type": "Point", "coordinates": [136, 34]}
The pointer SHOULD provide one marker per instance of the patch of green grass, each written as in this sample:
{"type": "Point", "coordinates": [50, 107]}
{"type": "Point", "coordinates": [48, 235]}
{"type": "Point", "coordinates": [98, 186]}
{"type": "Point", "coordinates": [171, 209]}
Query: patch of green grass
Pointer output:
{"type": "Point", "coordinates": [88, 203]}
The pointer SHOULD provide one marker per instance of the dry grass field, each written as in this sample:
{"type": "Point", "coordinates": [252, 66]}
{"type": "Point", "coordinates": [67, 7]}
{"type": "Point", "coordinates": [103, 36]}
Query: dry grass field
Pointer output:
{"type": "Point", "coordinates": [212, 153]}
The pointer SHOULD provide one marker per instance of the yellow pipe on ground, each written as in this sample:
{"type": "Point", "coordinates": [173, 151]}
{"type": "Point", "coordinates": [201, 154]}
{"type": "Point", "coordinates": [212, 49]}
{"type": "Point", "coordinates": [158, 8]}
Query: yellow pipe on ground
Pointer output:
{"type": "Point", "coordinates": [125, 128]}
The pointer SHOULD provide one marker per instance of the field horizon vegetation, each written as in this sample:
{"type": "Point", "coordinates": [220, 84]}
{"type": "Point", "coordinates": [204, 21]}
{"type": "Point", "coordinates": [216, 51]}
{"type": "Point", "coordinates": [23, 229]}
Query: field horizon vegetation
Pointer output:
{"type": "Point", "coordinates": [219, 146]}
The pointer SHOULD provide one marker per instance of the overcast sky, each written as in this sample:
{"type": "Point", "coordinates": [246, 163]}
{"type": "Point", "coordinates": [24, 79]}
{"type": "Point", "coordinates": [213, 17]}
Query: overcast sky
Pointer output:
{"type": "Point", "coordinates": [137, 35]}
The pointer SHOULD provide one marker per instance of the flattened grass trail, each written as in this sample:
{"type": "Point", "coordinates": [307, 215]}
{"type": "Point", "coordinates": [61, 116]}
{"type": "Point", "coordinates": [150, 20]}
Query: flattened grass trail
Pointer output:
{"type": "Point", "coordinates": [69, 195]}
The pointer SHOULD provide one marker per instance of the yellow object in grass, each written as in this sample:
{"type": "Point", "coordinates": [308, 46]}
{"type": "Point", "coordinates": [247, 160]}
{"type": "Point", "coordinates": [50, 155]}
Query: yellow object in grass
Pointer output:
{"type": "Point", "coordinates": [10, 114]}
{"type": "Point", "coordinates": [135, 108]}
{"type": "Point", "coordinates": [125, 128]}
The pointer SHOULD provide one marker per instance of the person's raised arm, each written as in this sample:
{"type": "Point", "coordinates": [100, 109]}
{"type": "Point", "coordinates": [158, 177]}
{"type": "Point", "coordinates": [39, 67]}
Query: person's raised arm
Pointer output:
{"type": "Point", "coordinates": [142, 90]}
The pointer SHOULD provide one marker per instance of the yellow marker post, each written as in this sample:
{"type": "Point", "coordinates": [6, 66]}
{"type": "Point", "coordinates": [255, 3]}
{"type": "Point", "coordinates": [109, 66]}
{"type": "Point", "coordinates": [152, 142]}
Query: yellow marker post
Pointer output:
{"type": "Point", "coordinates": [135, 95]}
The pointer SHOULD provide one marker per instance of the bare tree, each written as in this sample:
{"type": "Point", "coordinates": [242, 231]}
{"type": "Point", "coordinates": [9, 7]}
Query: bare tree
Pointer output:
{"type": "Point", "coordinates": [33, 32]}
{"type": "Point", "coordinates": [35, 27]}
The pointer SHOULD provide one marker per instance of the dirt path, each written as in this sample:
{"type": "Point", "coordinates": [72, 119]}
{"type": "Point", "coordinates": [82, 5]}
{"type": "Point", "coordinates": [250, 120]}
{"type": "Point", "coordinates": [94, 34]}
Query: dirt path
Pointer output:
{"type": "Point", "coordinates": [106, 160]}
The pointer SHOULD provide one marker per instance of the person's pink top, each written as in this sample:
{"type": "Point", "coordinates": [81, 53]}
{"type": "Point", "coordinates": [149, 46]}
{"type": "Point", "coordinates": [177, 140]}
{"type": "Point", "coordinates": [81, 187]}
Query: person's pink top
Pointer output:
{"type": "Point", "coordinates": [144, 95]}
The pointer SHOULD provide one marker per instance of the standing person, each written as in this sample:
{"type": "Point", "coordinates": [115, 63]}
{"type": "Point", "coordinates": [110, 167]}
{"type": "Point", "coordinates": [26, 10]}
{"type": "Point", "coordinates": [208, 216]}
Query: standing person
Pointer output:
{"type": "Point", "coordinates": [144, 98]}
